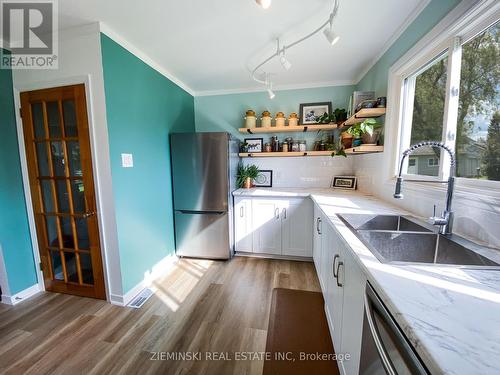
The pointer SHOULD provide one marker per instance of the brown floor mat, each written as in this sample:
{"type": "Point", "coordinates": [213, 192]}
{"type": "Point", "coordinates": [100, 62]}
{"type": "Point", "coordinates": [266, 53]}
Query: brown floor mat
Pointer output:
{"type": "Point", "coordinates": [297, 324]}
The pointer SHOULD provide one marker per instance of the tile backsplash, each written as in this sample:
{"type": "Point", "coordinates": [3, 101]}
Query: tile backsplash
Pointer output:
{"type": "Point", "coordinates": [304, 171]}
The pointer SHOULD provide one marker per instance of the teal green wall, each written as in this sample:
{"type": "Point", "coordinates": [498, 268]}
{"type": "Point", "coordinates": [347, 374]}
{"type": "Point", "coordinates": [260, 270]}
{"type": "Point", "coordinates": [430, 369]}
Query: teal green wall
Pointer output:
{"type": "Point", "coordinates": [226, 112]}
{"type": "Point", "coordinates": [14, 228]}
{"type": "Point", "coordinates": [377, 76]}
{"type": "Point", "coordinates": [143, 108]}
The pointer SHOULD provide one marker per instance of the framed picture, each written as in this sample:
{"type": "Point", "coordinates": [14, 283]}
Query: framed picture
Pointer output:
{"type": "Point", "coordinates": [264, 179]}
{"type": "Point", "coordinates": [344, 182]}
{"type": "Point", "coordinates": [310, 111]}
{"type": "Point", "coordinates": [254, 144]}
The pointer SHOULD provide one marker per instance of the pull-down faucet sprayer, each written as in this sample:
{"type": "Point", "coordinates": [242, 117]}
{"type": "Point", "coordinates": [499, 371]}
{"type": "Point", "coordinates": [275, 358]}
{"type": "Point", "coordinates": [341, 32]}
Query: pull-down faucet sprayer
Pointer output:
{"type": "Point", "coordinates": [445, 222]}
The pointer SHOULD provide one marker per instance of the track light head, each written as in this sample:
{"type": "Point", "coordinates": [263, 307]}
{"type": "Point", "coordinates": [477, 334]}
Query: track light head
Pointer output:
{"type": "Point", "coordinates": [271, 93]}
{"type": "Point", "coordinates": [284, 62]}
{"type": "Point", "coordinates": [269, 86]}
{"type": "Point", "coordinates": [264, 3]}
{"type": "Point", "coordinates": [331, 36]}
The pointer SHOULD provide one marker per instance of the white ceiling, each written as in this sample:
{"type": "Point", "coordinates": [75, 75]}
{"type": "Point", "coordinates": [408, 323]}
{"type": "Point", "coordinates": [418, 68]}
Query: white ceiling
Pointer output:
{"type": "Point", "coordinates": [210, 45]}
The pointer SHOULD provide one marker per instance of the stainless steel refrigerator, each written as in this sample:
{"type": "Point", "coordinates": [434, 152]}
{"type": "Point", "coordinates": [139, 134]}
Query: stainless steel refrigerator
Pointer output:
{"type": "Point", "coordinates": [204, 173]}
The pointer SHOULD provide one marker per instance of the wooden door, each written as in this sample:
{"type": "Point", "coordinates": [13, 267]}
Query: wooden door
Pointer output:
{"type": "Point", "coordinates": [266, 223]}
{"type": "Point", "coordinates": [58, 153]}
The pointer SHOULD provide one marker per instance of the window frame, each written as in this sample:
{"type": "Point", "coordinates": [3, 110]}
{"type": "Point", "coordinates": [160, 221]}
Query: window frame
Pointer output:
{"type": "Point", "coordinates": [459, 27]}
{"type": "Point", "coordinates": [431, 163]}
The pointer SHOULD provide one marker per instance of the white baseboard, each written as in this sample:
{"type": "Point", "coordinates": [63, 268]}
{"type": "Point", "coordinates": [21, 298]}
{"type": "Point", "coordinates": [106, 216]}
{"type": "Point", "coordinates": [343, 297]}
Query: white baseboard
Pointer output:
{"type": "Point", "coordinates": [23, 295]}
{"type": "Point", "coordinates": [273, 256]}
{"type": "Point", "coordinates": [158, 270]}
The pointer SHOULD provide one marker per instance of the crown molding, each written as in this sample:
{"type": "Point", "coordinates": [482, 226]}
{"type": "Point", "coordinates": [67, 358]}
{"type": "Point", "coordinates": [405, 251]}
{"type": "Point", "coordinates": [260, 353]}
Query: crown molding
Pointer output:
{"type": "Point", "coordinates": [299, 86]}
{"type": "Point", "coordinates": [401, 29]}
{"type": "Point", "coordinates": [105, 29]}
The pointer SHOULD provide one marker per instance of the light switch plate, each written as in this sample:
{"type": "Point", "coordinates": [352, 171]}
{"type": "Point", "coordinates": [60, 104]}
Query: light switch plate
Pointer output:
{"type": "Point", "coordinates": [127, 161]}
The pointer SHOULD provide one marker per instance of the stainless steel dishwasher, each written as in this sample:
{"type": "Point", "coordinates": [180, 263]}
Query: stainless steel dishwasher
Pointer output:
{"type": "Point", "coordinates": [384, 348]}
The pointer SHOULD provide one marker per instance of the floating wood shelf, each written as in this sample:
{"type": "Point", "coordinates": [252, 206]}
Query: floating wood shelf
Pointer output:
{"type": "Point", "coordinates": [364, 114]}
{"type": "Point", "coordinates": [289, 129]}
{"type": "Point", "coordinates": [363, 149]}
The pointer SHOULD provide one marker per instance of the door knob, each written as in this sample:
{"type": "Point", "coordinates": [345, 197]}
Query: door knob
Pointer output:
{"type": "Point", "coordinates": [88, 214]}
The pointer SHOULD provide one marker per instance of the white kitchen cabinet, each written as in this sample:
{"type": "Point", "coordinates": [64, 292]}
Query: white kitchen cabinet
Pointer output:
{"type": "Point", "coordinates": [266, 223]}
{"type": "Point", "coordinates": [317, 222]}
{"type": "Point", "coordinates": [243, 240]}
{"type": "Point", "coordinates": [354, 281]}
{"type": "Point", "coordinates": [343, 285]}
{"type": "Point", "coordinates": [296, 227]}
{"type": "Point", "coordinates": [332, 271]}
{"type": "Point", "coordinates": [273, 226]}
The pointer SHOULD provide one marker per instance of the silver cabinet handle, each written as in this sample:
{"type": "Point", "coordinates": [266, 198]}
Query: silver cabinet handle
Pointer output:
{"type": "Point", "coordinates": [284, 213]}
{"type": "Point", "coordinates": [317, 225]}
{"type": "Point", "coordinates": [241, 211]}
{"type": "Point", "coordinates": [339, 284]}
{"type": "Point", "coordinates": [277, 213]}
{"type": "Point", "coordinates": [337, 256]}
{"type": "Point", "coordinates": [88, 214]}
{"type": "Point", "coordinates": [320, 226]}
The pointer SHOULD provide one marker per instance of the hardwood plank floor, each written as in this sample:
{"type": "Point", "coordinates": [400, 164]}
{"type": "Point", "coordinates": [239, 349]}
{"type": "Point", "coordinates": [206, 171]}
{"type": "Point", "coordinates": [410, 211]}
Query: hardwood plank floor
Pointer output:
{"type": "Point", "coordinates": [200, 306]}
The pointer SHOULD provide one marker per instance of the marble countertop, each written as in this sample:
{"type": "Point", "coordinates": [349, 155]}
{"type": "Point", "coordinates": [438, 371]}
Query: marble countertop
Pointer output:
{"type": "Point", "coordinates": [451, 315]}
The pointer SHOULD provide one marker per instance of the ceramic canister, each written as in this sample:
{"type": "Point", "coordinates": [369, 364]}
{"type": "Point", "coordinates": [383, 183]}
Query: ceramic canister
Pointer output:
{"type": "Point", "coordinates": [293, 119]}
{"type": "Point", "coordinates": [250, 119]}
{"type": "Point", "coordinates": [265, 121]}
{"type": "Point", "coordinates": [280, 119]}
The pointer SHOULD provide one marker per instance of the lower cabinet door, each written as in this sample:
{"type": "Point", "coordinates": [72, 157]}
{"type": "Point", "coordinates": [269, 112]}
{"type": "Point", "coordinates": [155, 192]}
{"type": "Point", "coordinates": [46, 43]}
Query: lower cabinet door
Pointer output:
{"type": "Point", "coordinates": [296, 215]}
{"type": "Point", "coordinates": [266, 220]}
{"type": "Point", "coordinates": [334, 272]}
{"type": "Point", "coordinates": [243, 241]}
{"type": "Point", "coordinates": [352, 313]}
{"type": "Point", "coordinates": [316, 230]}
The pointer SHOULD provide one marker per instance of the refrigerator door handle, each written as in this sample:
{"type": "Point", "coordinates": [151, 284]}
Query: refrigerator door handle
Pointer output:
{"type": "Point", "coordinates": [202, 212]}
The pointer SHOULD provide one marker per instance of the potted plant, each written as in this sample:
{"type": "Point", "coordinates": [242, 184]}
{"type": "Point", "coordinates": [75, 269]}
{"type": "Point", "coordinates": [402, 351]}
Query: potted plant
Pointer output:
{"type": "Point", "coordinates": [340, 115]}
{"type": "Point", "coordinates": [325, 118]}
{"type": "Point", "coordinates": [364, 132]}
{"type": "Point", "coordinates": [346, 139]}
{"type": "Point", "coordinates": [244, 147]}
{"type": "Point", "coordinates": [246, 175]}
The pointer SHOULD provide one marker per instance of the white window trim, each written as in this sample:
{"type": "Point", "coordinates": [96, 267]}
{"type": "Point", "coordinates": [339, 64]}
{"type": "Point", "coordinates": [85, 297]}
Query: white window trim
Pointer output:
{"type": "Point", "coordinates": [465, 21]}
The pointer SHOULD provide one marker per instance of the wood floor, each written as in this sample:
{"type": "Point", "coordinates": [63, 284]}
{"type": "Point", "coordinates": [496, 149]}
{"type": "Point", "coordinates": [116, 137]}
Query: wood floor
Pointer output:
{"type": "Point", "coordinates": [199, 307]}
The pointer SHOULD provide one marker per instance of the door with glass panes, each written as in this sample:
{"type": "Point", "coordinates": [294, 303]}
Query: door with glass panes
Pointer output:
{"type": "Point", "coordinates": [56, 137]}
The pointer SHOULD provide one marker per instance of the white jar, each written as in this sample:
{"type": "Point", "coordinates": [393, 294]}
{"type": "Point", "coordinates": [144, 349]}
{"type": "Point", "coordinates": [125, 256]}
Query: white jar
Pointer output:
{"type": "Point", "coordinates": [265, 121]}
{"type": "Point", "coordinates": [250, 119]}
{"type": "Point", "coordinates": [293, 120]}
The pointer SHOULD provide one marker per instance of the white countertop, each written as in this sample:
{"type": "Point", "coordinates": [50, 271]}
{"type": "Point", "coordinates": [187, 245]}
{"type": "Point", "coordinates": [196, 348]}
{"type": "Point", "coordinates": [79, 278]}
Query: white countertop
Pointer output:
{"type": "Point", "coordinates": [451, 315]}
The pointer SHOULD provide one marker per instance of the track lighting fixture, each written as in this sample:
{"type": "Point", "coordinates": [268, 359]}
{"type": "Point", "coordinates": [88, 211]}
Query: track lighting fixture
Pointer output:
{"type": "Point", "coordinates": [284, 61]}
{"type": "Point", "coordinates": [330, 35]}
{"type": "Point", "coordinates": [281, 53]}
{"type": "Point", "coordinates": [269, 86]}
{"type": "Point", "coordinates": [264, 3]}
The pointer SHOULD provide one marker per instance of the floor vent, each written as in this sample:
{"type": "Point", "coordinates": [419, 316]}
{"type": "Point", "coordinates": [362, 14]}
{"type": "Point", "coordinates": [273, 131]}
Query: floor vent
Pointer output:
{"type": "Point", "coordinates": [141, 298]}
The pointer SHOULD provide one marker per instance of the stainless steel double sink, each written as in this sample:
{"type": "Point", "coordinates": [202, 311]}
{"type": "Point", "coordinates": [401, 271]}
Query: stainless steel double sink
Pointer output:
{"type": "Point", "coordinates": [403, 239]}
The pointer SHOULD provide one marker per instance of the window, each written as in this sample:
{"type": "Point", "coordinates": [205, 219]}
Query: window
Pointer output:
{"type": "Point", "coordinates": [478, 124]}
{"type": "Point", "coordinates": [433, 162]}
{"type": "Point", "coordinates": [428, 109]}
{"type": "Point", "coordinates": [454, 97]}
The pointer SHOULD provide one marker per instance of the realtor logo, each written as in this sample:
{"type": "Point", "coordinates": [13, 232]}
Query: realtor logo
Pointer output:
{"type": "Point", "coordinates": [29, 32]}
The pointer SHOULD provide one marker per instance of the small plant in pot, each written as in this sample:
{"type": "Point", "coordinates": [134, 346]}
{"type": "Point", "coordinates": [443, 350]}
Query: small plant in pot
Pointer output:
{"type": "Point", "coordinates": [340, 115]}
{"type": "Point", "coordinates": [326, 118]}
{"type": "Point", "coordinates": [245, 175]}
{"type": "Point", "coordinates": [365, 132]}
